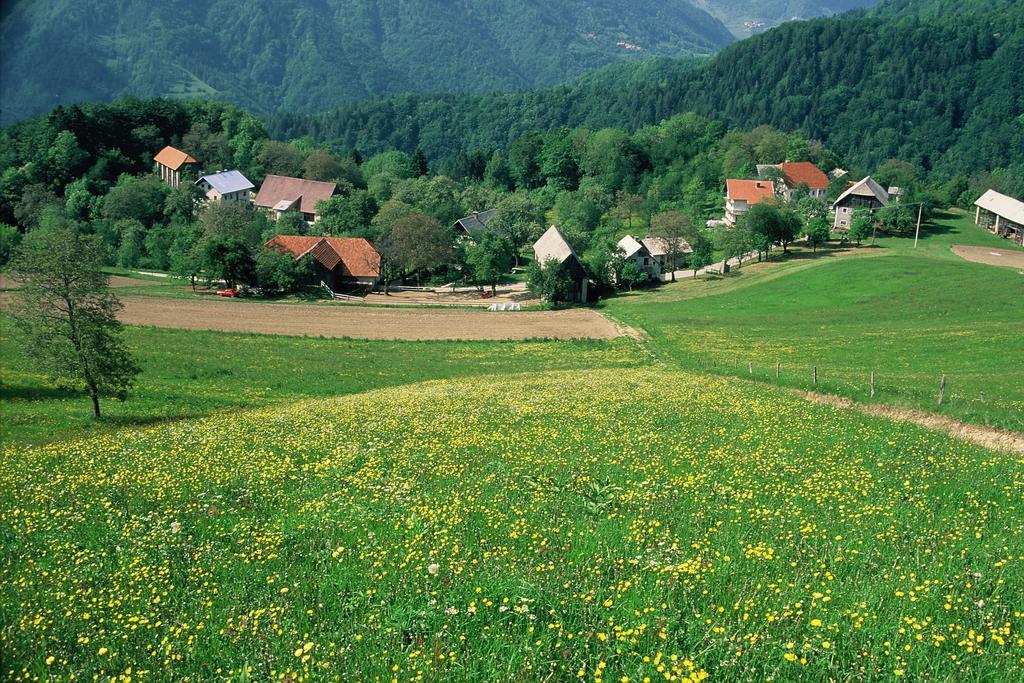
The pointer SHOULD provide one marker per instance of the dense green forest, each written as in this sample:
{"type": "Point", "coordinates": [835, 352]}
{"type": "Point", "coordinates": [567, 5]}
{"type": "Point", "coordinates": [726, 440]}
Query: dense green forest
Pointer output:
{"type": "Point", "coordinates": [943, 93]}
{"type": "Point", "coordinates": [305, 55]}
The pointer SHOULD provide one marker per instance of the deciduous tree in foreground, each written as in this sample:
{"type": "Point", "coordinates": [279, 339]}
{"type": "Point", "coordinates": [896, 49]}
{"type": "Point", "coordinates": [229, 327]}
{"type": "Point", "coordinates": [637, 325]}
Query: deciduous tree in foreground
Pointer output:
{"type": "Point", "coordinates": [68, 313]}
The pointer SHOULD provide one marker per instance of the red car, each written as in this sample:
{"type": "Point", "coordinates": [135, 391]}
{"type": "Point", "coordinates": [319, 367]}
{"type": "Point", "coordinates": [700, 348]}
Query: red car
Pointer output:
{"type": "Point", "coordinates": [232, 293]}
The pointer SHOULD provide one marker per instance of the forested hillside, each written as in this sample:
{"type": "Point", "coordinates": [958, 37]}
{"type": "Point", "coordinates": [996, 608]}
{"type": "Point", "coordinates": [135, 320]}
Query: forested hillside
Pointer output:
{"type": "Point", "coordinates": [942, 93]}
{"type": "Point", "coordinates": [304, 55]}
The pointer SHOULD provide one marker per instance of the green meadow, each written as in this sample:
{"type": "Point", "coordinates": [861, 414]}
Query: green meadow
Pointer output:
{"type": "Point", "coordinates": [908, 315]}
{"type": "Point", "coordinates": [186, 374]}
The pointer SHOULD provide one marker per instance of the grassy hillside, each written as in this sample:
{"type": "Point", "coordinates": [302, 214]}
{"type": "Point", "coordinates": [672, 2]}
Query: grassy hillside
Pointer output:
{"type": "Point", "coordinates": [909, 315]}
{"type": "Point", "coordinates": [608, 525]}
{"type": "Point", "coordinates": [303, 55]}
{"type": "Point", "coordinates": [187, 374]}
{"type": "Point", "coordinates": [744, 17]}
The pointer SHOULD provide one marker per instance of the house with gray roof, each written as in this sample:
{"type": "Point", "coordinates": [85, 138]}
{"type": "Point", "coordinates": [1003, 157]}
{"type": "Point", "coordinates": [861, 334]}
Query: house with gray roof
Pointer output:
{"type": "Point", "coordinates": [866, 194]}
{"type": "Point", "coordinates": [476, 222]}
{"type": "Point", "coordinates": [1002, 215]}
{"type": "Point", "coordinates": [226, 186]}
{"type": "Point", "coordinates": [651, 253]}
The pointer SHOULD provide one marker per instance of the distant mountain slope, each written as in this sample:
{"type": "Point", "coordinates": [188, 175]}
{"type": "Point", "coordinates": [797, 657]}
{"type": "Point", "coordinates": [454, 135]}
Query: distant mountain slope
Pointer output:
{"type": "Point", "coordinates": [945, 94]}
{"type": "Point", "coordinates": [305, 55]}
{"type": "Point", "coordinates": [744, 17]}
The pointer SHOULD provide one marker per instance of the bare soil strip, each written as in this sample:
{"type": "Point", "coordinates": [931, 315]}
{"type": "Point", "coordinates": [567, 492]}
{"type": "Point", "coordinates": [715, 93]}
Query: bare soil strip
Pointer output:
{"type": "Point", "coordinates": [990, 256]}
{"type": "Point", "coordinates": [6, 282]}
{"type": "Point", "coordinates": [364, 322]}
{"type": "Point", "coordinates": [995, 439]}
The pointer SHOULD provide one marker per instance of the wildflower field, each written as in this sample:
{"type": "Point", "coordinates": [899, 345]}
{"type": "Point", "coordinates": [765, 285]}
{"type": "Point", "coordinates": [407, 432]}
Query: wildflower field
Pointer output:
{"type": "Point", "coordinates": [599, 524]}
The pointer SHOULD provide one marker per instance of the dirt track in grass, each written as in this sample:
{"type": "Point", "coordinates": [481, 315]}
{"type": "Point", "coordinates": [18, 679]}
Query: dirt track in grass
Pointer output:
{"type": "Point", "coordinates": [364, 322]}
{"type": "Point", "coordinates": [990, 256]}
{"type": "Point", "coordinates": [987, 437]}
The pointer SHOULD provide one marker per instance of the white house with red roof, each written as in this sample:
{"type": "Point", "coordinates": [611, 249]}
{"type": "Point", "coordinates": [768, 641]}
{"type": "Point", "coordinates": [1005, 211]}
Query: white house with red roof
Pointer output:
{"type": "Point", "coordinates": [796, 174]}
{"type": "Point", "coordinates": [740, 195]}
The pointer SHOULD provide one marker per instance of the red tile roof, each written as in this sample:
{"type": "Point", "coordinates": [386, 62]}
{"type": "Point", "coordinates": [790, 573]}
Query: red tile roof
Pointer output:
{"type": "Point", "coordinates": [356, 255]}
{"type": "Point", "coordinates": [805, 173]}
{"type": "Point", "coordinates": [750, 191]}
{"type": "Point", "coordinates": [277, 188]}
{"type": "Point", "coordinates": [173, 158]}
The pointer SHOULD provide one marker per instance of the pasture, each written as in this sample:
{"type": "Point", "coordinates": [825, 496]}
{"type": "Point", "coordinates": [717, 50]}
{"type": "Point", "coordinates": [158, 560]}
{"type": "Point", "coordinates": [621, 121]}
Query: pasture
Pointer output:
{"type": "Point", "coordinates": [908, 315]}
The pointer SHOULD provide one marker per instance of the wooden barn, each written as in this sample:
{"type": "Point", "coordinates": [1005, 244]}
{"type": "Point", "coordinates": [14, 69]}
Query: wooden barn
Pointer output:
{"type": "Point", "coordinates": [552, 245]}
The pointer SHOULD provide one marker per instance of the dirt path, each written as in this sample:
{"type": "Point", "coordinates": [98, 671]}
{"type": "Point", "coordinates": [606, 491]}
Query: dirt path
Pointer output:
{"type": "Point", "coordinates": [988, 437]}
{"type": "Point", "coordinates": [990, 256]}
{"type": "Point", "coordinates": [6, 282]}
{"type": "Point", "coordinates": [364, 322]}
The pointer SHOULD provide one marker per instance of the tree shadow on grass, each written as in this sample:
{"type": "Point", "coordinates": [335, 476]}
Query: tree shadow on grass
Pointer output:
{"type": "Point", "coordinates": [34, 393]}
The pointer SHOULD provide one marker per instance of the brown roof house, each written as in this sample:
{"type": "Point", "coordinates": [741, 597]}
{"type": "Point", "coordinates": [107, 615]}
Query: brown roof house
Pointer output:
{"type": "Point", "coordinates": [170, 163]}
{"type": "Point", "coordinates": [338, 262]}
{"type": "Point", "coordinates": [552, 246]}
{"type": "Point", "coordinates": [280, 194]}
{"type": "Point", "coordinates": [740, 195]}
{"type": "Point", "coordinates": [867, 194]}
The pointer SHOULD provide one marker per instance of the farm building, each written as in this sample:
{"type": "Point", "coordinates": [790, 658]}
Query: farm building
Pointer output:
{"type": "Point", "coordinates": [226, 186]}
{"type": "Point", "coordinates": [740, 195]}
{"type": "Point", "coordinates": [866, 194]}
{"type": "Point", "coordinates": [171, 162]}
{"type": "Point", "coordinates": [1002, 215]}
{"type": "Point", "coordinates": [799, 173]}
{"type": "Point", "coordinates": [477, 222]}
{"type": "Point", "coordinates": [280, 194]}
{"type": "Point", "coordinates": [552, 245]}
{"type": "Point", "coordinates": [338, 262]}
{"type": "Point", "coordinates": [650, 253]}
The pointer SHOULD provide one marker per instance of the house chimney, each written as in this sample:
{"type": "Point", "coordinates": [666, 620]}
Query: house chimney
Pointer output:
{"type": "Point", "coordinates": [476, 214]}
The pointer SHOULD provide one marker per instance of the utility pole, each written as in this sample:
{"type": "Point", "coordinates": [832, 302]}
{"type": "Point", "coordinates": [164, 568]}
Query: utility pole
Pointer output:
{"type": "Point", "coordinates": [920, 208]}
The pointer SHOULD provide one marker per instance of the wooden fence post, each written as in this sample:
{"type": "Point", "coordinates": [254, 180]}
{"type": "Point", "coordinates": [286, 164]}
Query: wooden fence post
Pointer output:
{"type": "Point", "coordinates": [872, 384]}
{"type": "Point", "coordinates": [750, 368]}
{"type": "Point", "coordinates": [778, 368]}
{"type": "Point", "coordinates": [942, 389]}
{"type": "Point", "coordinates": [815, 375]}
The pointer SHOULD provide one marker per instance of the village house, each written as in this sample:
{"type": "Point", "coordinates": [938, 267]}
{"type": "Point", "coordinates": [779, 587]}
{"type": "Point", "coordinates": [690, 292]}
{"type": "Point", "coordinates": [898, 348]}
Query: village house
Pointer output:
{"type": "Point", "coordinates": [1002, 215]}
{"type": "Point", "coordinates": [740, 195]}
{"type": "Point", "coordinates": [477, 222]}
{"type": "Point", "coordinates": [226, 186]}
{"type": "Point", "coordinates": [552, 245]}
{"type": "Point", "coordinates": [280, 194]}
{"type": "Point", "coordinates": [866, 194]}
{"type": "Point", "coordinates": [649, 254]}
{"type": "Point", "coordinates": [337, 262]}
{"type": "Point", "coordinates": [171, 162]}
{"type": "Point", "coordinates": [795, 174]}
